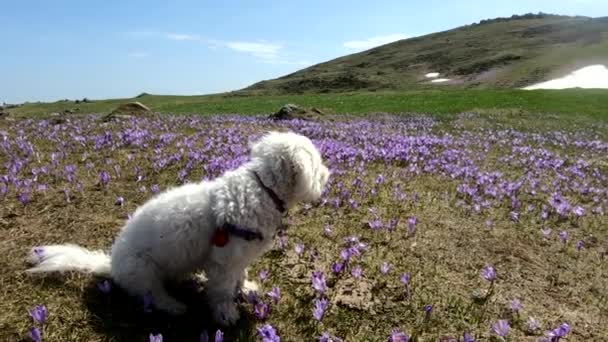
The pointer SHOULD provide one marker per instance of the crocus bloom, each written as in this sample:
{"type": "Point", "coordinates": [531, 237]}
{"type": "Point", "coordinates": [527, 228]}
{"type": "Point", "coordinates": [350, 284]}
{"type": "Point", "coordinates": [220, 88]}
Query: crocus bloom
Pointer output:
{"type": "Point", "coordinates": [501, 328]}
{"type": "Point", "coordinates": [411, 225]}
{"type": "Point", "coordinates": [320, 305]}
{"type": "Point", "coordinates": [579, 245]}
{"type": "Point", "coordinates": [318, 281]}
{"type": "Point", "coordinates": [299, 248]}
{"type": "Point", "coordinates": [104, 286]}
{"type": "Point", "coordinates": [274, 294]}
{"type": "Point", "coordinates": [466, 337]}
{"type": "Point", "coordinates": [385, 268]}
{"type": "Point", "coordinates": [578, 211]}
{"type": "Point", "coordinates": [119, 201]}
{"type": "Point", "coordinates": [488, 273]}
{"type": "Point", "coordinates": [154, 188]}
{"type": "Point", "coordinates": [398, 336]}
{"type": "Point", "coordinates": [356, 272]}
{"type": "Point", "coordinates": [563, 235]}
{"type": "Point", "coordinates": [38, 314]}
{"type": "Point", "coordinates": [405, 278]}
{"type": "Point", "coordinates": [337, 267]}
{"type": "Point", "coordinates": [515, 305]}
{"type": "Point", "coordinates": [268, 334]}
{"type": "Point", "coordinates": [219, 336]}
{"type": "Point", "coordinates": [427, 312]}
{"type": "Point", "coordinates": [559, 332]}
{"type": "Point", "coordinates": [35, 334]}
{"type": "Point", "coordinates": [261, 310]}
{"type": "Point", "coordinates": [546, 232]}
{"type": "Point", "coordinates": [263, 275]}
{"type": "Point", "coordinates": [156, 338]}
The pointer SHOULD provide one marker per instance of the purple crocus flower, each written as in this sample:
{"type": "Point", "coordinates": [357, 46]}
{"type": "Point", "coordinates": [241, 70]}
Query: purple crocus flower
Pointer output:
{"type": "Point", "coordinates": [320, 305]}
{"type": "Point", "coordinates": [104, 178]}
{"type": "Point", "coordinates": [35, 334]}
{"type": "Point", "coordinates": [578, 211]}
{"type": "Point", "coordinates": [411, 225]}
{"type": "Point", "coordinates": [263, 275]}
{"type": "Point", "coordinates": [466, 337]}
{"type": "Point", "coordinates": [274, 294]}
{"type": "Point", "coordinates": [219, 336]}
{"type": "Point", "coordinates": [356, 272]}
{"type": "Point", "coordinates": [385, 268]}
{"type": "Point", "coordinates": [326, 337]}
{"type": "Point", "coordinates": [563, 235]}
{"type": "Point", "coordinates": [318, 281]}
{"type": "Point", "coordinates": [38, 314]}
{"type": "Point", "coordinates": [515, 305]}
{"type": "Point", "coordinates": [546, 232]}
{"type": "Point", "coordinates": [337, 267]}
{"type": "Point", "coordinates": [156, 338]}
{"type": "Point", "coordinates": [104, 286]}
{"type": "Point", "coordinates": [579, 245]}
{"type": "Point", "coordinates": [559, 332]}
{"type": "Point", "coordinates": [299, 248]}
{"type": "Point", "coordinates": [488, 273]}
{"type": "Point", "coordinates": [23, 197]}
{"type": "Point", "coordinates": [427, 312]}
{"type": "Point", "coordinates": [405, 279]}
{"type": "Point", "coordinates": [501, 328]}
{"type": "Point", "coordinates": [261, 310]}
{"type": "Point", "coordinates": [398, 336]}
{"type": "Point", "coordinates": [268, 334]}
{"type": "Point", "coordinates": [327, 231]}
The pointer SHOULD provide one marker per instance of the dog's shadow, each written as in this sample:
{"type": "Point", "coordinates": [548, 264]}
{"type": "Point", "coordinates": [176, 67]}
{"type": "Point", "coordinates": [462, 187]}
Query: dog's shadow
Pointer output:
{"type": "Point", "coordinates": [121, 317]}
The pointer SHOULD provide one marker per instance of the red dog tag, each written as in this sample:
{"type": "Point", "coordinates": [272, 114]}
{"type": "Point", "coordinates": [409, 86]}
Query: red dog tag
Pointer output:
{"type": "Point", "coordinates": [220, 237]}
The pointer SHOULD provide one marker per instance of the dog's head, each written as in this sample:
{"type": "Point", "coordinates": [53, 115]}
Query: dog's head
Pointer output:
{"type": "Point", "coordinates": [294, 163]}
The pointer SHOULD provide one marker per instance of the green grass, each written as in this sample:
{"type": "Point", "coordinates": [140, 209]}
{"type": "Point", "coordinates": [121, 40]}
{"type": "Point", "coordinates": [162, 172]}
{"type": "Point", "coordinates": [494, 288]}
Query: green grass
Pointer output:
{"type": "Point", "coordinates": [586, 104]}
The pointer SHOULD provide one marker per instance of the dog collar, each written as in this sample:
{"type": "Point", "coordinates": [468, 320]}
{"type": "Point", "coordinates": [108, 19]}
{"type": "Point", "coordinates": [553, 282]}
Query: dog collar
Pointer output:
{"type": "Point", "coordinates": [278, 203]}
{"type": "Point", "coordinates": [221, 235]}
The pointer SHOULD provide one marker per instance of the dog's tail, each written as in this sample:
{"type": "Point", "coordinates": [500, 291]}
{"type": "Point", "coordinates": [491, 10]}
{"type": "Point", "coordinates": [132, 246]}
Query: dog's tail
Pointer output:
{"type": "Point", "coordinates": [61, 258]}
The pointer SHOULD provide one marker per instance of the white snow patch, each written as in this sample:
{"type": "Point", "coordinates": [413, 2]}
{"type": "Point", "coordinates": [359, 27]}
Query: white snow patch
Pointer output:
{"type": "Point", "coordinates": [441, 80]}
{"type": "Point", "coordinates": [432, 75]}
{"type": "Point", "coordinates": [593, 76]}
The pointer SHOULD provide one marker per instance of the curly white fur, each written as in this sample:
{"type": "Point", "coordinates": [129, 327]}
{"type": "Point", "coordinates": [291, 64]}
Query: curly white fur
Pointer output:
{"type": "Point", "coordinates": [168, 238]}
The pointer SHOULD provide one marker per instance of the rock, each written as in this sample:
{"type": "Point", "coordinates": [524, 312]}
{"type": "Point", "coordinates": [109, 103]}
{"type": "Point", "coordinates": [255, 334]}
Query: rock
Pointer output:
{"type": "Point", "coordinates": [127, 111]}
{"type": "Point", "coordinates": [292, 111]}
{"type": "Point", "coordinates": [354, 294]}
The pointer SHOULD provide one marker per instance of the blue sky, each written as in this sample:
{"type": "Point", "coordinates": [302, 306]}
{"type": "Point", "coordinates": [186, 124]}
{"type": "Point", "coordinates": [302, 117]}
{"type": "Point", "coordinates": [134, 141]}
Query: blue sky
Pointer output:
{"type": "Point", "coordinates": [105, 49]}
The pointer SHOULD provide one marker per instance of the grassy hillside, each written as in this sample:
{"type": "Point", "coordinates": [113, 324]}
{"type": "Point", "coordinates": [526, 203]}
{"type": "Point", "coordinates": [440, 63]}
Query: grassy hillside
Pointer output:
{"type": "Point", "coordinates": [498, 53]}
{"type": "Point", "coordinates": [574, 103]}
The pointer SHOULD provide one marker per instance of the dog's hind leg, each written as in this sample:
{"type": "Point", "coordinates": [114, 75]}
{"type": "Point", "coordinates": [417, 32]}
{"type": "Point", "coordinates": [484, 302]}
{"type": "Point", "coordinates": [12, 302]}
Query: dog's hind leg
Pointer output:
{"type": "Point", "coordinates": [141, 278]}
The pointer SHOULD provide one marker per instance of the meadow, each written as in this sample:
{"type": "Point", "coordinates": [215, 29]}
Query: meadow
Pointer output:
{"type": "Point", "coordinates": [479, 225]}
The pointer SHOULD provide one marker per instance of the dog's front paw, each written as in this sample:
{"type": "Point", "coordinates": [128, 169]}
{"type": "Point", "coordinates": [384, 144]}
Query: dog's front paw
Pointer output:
{"type": "Point", "coordinates": [226, 313]}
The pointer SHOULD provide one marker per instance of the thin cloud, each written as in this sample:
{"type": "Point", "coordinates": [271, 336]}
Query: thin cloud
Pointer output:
{"type": "Point", "coordinates": [182, 37]}
{"type": "Point", "coordinates": [263, 50]}
{"type": "Point", "coordinates": [138, 54]}
{"type": "Point", "coordinates": [374, 41]}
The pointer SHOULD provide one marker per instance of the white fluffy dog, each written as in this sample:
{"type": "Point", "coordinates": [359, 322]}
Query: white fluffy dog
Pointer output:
{"type": "Point", "coordinates": [218, 227]}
